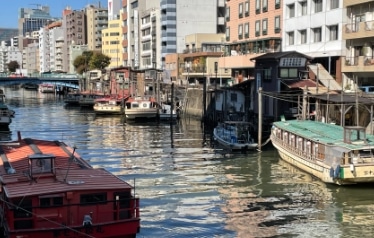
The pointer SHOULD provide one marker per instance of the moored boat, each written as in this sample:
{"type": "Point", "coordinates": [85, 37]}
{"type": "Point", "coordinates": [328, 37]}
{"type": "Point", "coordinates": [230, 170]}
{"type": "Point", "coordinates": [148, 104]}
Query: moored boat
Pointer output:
{"type": "Point", "coordinates": [48, 190]}
{"type": "Point", "coordinates": [167, 114]}
{"type": "Point", "coordinates": [234, 135]}
{"type": "Point", "coordinates": [140, 108]}
{"type": "Point", "coordinates": [72, 98]}
{"type": "Point", "coordinates": [47, 88]}
{"type": "Point", "coordinates": [87, 99]}
{"type": "Point", "coordinates": [108, 106]}
{"type": "Point", "coordinates": [332, 153]}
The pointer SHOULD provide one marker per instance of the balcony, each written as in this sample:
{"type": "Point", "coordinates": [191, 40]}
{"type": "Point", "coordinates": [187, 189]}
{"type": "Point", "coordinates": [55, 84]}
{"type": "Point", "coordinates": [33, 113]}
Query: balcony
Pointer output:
{"type": "Point", "coordinates": [358, 64]}
{"type": "Point", "coordinates": [358, 30]}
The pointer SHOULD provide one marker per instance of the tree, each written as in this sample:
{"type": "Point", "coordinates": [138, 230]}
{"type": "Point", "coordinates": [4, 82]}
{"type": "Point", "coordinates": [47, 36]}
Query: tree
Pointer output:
{"type": "Point", "coordinates": [13, 66]}
{"type": "Point", "coordinates": [80, 64]}
{"type": "Point", "coordinates": [99, 61]}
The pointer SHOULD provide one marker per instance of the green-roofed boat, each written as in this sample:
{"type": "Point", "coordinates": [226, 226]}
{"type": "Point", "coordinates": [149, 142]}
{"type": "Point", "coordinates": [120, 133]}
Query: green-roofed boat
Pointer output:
{"type": "Point", "coordinates": [334, 154]}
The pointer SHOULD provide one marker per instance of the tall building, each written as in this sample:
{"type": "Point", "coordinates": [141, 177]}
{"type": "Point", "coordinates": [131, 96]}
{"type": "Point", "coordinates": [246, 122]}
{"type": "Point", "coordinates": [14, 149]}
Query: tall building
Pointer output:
{"type": "Point", "coordinates": [30, 60]}
{"type": "Point", "coordinates": [358, 34]}
{"type": "Point", "coordinates": [75, 33]}
{"type": "Point", "coordinates": [252, 28]}
{"type": "Point", "coordinates": [186, 17]}
{"type": "Point", "coordinates": [8, 54]}
{"type": "Point", "coordinates": [32, 19]}
{"type": "Point", "coordinates": [48, 38]}
{"type": "Point", "coordinates": [112, 42]}
{"type": "Point", "coordinates": [315, 28]}
{"type": "Point", "coordinates": [97, 20]}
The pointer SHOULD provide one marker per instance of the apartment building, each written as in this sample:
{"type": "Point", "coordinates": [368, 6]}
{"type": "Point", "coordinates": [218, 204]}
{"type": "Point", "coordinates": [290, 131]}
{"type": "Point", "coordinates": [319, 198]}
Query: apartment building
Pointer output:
{"type": "Point", "coordinates": [75, 32]}
{"type": "Point", "coordinates": [315, 28]}
{"type": "Point", "coordinates": [358, 33]}
{"type": "Point", "coordinates": [30, 59]}
{"type": "Point", "coordinates": [50, 38]}
{"type": "Point", "coordinates": [111, 38]}
{"type": "Point", "coordinates": [186, 17]}
{"type": "Point", "coordinates": [252, 28]}
{"type": "Point", "coordinates": [8, 54]}
{"type": "Point", "coordinates": [97, 20]}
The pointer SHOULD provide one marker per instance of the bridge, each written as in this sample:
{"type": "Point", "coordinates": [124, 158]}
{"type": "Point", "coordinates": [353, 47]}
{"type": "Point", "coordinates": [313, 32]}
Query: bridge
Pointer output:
{"type": "Point", "coordinates": [70, 82]}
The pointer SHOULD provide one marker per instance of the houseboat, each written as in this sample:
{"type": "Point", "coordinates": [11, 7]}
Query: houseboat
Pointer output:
{"type": "Point", "coordinates": [140, 108]}
{"type": "Point", "coordinates": [48, 190]}
{"type": "Point", "coordinates": [87, 99]}
{"type": "Point", "coordinates": [108, 106]}
{"type": "Point", "coordinates": [332, 153]}
{"type": "Point", "coordinates": [72, 98]}
{"type": "Point", "coordinates": [234, 135]}
{"type": "Point", "coordinates": [166, 113]}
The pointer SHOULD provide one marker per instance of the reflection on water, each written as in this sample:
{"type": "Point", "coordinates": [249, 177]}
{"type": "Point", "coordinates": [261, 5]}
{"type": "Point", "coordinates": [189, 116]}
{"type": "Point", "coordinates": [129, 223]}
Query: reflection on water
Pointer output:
{"type": "Point", "coordinates": [189, 189]}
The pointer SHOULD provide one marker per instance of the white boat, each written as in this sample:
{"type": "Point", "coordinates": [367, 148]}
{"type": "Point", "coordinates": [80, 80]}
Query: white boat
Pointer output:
{"type": "Point", "coordinates": [234, 135]}
{"type": "Point", "coordinates": [166, 114]}
{"type": "Point", "coordinates": [332, 153]}
{"type": "Point", "coordinates": [140, 108]}
{"type": "Point", "coordinates": [108, 106]}
{"type": "Point", "coordinates": [47, 88]}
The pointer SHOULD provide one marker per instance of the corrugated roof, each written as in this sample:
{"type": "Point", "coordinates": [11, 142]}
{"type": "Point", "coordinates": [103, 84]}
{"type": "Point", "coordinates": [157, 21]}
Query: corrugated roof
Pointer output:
{"type": "Point", "coordinates": [324, 133]}
{"type": "Point", "coordinates": [278, 55]}
{"type": "Point", "coordinates": [70, 174]}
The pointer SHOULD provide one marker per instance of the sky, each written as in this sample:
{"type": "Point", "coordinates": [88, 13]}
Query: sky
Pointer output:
{"type": "Point", "coordinates": [9, 14]}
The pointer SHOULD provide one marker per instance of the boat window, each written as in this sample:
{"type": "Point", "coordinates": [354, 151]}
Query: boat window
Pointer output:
{"type": "Point", "coordinates": [93, 198]}
{"type": "Point", "coordinates": [51, 201]}
{"type": "Point", "coordinates": [26, 208]}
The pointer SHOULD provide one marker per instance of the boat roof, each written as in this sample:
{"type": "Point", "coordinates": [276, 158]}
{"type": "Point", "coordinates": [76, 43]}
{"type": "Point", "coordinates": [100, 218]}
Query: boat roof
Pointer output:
{"type": "Point", "coordinates": [324, 133]}
{"type": "Point", "coordinates": [70, 174]}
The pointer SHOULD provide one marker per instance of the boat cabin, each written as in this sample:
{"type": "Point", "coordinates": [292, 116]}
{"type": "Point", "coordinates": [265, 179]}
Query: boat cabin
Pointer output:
{"type": "Point", "coordinates": [355, 134]}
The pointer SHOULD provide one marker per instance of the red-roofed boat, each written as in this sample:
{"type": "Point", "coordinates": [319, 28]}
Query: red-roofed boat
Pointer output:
{"type": "Point", "coordinates": [48, 190]}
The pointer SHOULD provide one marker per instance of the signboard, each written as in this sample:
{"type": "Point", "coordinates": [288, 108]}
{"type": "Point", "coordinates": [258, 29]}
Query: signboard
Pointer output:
{"type": "Point", "coordinates": [292, 62]}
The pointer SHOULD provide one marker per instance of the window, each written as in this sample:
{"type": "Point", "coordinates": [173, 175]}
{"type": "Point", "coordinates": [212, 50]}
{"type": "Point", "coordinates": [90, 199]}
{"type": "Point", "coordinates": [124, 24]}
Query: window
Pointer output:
{"type": "Point", "coordinates": [258, 6]}
{"type": "Point", "coordinates": [246, 30]}
{"type": "Point", "coordinates": [333, 32]}
{"type": "Point", "coordinates": [227, 14]}
{"type": "Point", "coordinates": [264, 5]}
{"type": "Point", "coordinates": [267, 74]}
{"type": "Point", "coordinates": [290, 36]}
{"type": "Point", "coordinates": [334, 4]}
{"type": "Point", "coordinates": [240, 31]}
{"type": "Point", "coordinates": [257, 28]}
{"type": "Point", "coordinates": [302, 36]}
{"type": "Point", "coordinates": [277, 4]}
{"type": "Point", "coordinates": [228, 34]}
{"type": "Point", "coordinates": [240, 10]}
{"type": "Point", "coordinates": [291, 10]}
{"type": "Point", "coordinates": [277, 24]}
{"type": "Point", "coordinates": [317, 6]}
{"type": "Point", "coordinates": [317, 34]}
{"type": "Point", "coordinates": [265, 26]}
{"type": "Point", "coordinates": [246, 8]}
{"type": "Point", "coordinates": [288, 73]}
{"type": "Point", "coordinates": [303, 8]}
{"type": "Point", "coordinates": [93, 198]}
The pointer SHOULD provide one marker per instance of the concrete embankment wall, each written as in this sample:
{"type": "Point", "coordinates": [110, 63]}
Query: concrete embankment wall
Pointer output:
{"type": "Point", "coordinates": [194, 103]}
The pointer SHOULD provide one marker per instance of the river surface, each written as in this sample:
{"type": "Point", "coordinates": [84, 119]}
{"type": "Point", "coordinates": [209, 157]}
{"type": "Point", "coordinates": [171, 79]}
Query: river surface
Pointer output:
{"type": "Point", "coordinates": [189, 189]}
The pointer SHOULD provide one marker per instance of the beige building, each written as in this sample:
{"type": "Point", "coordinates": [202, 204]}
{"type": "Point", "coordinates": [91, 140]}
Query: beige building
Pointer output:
{"type": "Point", "coordinates": [252, 28]}
{"type": "Point", "coordinates": [30, 58]}
{"type": "Point", "coordinates": [358, 32]}
{"type": "Point", "coordinates": [97, 20]}
{"type": "Point", "coordinates": [112, 39]}
{"type": "Point", "coordinates": [199, 61]}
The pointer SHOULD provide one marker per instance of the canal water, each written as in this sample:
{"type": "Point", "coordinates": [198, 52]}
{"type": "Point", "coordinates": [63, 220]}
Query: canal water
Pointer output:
{"type": "Point", "coordinates": [190, 189]}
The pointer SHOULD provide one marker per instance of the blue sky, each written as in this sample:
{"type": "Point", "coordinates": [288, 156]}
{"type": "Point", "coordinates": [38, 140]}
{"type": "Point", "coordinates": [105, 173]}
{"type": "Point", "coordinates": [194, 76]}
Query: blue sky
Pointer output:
{"type": "Point", "coordinates": [9, 13]}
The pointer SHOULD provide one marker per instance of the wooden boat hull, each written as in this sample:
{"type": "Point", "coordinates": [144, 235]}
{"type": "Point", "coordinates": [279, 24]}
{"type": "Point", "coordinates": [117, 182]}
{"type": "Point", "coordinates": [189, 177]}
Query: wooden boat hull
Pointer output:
{"type": "Point", "coordinates": [329, 162]}
{"type": "Point", "coordinates": [126, 229]}
{"type": "Point", "coordinates": [134, 114]}
{"type": "Point", "coordinates": [108, 110]}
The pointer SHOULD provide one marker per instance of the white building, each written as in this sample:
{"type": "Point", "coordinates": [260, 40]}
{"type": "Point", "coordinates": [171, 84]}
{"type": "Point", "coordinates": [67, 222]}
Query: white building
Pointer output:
{"type": "Point", "coordinates": [48, 37]}
{"type": "Point", "coordinates": [8, 54]}
{"type": "Point", "coordinates": [314, 27]}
